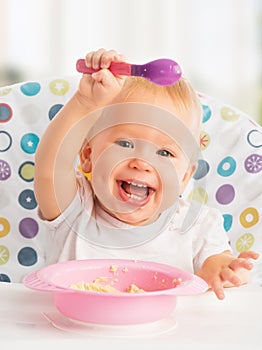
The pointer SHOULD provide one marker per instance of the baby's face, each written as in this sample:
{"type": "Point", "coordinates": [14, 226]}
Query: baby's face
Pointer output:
{"type": "Point", "coordinates": [139, 166]}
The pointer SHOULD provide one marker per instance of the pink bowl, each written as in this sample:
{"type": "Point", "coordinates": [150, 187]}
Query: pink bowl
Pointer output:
{"type": "Point", "coordinates": [158, 301]}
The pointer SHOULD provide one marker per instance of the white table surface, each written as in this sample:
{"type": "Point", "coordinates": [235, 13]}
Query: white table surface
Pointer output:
{"type": "Point", "coordinates": [199, 322]}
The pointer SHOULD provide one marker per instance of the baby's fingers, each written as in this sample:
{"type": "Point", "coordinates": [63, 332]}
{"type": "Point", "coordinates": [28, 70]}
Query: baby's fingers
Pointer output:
{"type": "Point", "coordinates": [109, 56]}
{"type": "Point", "coordinates": [229, 275]}
{"type": "Point", "coordinates": [217, 286]}
{"type": "Point", "coordinates": [101, 59]}
{"type": "Point", "coordinates": [96, 58]}
{"type": "Point", "coordinates": [93, 59]}
{"type": "Point", "coordinates": [249, 254]}
{"type": "Point", "coordinates": [241, 263]}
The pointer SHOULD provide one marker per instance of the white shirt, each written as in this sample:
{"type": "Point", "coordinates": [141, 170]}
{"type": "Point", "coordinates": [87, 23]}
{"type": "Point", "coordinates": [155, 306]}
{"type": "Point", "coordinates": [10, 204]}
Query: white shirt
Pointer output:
{"type": "Point", "coordinates": [85, 231]}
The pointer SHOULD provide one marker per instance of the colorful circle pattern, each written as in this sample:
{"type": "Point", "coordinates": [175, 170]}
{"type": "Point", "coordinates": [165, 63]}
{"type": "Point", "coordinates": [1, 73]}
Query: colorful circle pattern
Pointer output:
{"type": "Point", "coordinates": [5, 141]}
{"type": "Point", "coordinates": [249, 217]}
{"type": "Point", "coordinates": [26, 171]}
{"type": "Point", "coordinates": [228, 221]}
{"type": "Point", "coordinates": [4, 254]}
{"type": "Point", "coordinates": [202, 169]}
{"type": "Point", "coordinates": [227, 166]}
{"type": "Point", "coordinates": [6, 113]}
{"type": "Point", "coordinates": [27, 256]}
{"type": "Point", "coordinates": [4, 227]}
{"type": "Point", "coordinates": [30, 89]}
{"type": "Point", "coordinates": [28, 227]}
{"type": "Point", "coordinates": [225, 194]}
{"type": "Point", "coordinates": [5, 170]}
{"type": "Point", "coordinates": [253, 163]}
{"type": "Point", "coordinates": [234, 182]}
{"type": "Point", "coordinates": [27, 199]}
{"type": "Point", "coordinates": [25, 111]}
{"type": "Point", "coordinates": [54, 110]}
{"type": "Point", "coordinates": [29, 143]}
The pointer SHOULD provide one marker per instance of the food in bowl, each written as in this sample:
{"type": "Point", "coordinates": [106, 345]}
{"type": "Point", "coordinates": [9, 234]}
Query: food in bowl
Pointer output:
{"type": "Point", "coordinates": [101, 284]}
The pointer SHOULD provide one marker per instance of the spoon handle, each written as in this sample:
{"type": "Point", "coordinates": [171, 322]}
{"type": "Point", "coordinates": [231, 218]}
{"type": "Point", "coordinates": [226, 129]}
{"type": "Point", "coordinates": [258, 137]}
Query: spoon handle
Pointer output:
{"type": "Point", "coordinates": [117, 68]}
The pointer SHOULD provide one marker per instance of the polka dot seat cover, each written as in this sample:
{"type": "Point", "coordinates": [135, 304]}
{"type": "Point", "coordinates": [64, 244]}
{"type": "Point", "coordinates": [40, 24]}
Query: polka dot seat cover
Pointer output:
{"type": "Point", "coordinates": [228, 175]}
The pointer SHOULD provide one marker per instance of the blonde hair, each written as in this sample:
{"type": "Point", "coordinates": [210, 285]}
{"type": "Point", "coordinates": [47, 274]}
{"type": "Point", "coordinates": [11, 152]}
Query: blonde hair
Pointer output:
{"type": "Point", "coordinates": [185, 99]}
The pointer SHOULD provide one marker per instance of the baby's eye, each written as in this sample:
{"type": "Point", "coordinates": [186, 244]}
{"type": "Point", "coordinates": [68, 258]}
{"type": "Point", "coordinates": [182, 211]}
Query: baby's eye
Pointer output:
{"type": "Point", "coordinates": [164, 153]}
{"type": "Point", "coordinates": [125, 143]}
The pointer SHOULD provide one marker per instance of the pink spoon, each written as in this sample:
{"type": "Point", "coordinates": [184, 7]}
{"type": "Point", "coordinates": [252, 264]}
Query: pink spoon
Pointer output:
{"type": "Point", "coordinates": [162, 71]}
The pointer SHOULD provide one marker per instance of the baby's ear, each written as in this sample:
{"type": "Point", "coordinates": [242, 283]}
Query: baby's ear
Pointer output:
{"type": "Point", "coordinates": [188, 176]}
{"type": "Point", "coordinates": [85, 158]}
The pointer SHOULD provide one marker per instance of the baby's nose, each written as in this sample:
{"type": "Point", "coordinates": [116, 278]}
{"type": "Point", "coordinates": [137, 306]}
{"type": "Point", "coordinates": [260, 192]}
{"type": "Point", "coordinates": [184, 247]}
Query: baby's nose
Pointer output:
{"type": "Point", "coordinates": [140, 164]}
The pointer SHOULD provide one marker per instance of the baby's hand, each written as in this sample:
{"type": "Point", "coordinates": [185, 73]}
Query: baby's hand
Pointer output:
{"type": "Point", "coordinates": [100, 88]}
{"type": "Point", "coordinates": [225, 270]}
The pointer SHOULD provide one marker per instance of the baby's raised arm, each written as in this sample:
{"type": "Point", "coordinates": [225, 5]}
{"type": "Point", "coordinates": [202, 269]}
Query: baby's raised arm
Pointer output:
{"type": "Point", "coordinates": [55, 182]}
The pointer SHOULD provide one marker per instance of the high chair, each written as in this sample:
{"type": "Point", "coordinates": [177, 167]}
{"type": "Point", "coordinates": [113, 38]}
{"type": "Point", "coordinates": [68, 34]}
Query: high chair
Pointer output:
{"type": "Point", "coordinates": [228, 176]}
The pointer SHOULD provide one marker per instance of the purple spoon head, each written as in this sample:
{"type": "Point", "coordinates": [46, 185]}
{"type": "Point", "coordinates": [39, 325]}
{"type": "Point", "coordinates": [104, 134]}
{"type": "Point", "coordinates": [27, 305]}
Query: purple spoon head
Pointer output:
{"type": "Point", "coordinates": [162, 71]}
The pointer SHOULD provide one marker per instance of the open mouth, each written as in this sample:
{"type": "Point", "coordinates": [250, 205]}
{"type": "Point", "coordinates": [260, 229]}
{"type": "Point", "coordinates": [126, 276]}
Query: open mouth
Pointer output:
{"type": "Point", "coordinates": [136, 193]}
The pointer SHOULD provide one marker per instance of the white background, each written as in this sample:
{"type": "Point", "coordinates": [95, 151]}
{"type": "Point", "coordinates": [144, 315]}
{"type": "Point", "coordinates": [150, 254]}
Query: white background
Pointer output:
{"type": "Point", "coordinates": [216, 42]}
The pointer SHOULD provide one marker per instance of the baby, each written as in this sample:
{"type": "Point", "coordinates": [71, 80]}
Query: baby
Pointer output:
{"type": "Point", "coordinates": [139, 142]}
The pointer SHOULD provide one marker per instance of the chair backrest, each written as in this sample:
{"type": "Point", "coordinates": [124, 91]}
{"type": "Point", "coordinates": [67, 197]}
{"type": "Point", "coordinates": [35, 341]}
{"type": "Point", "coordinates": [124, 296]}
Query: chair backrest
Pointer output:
{"type": "Point", "coordinates": [228, 175]}
{"type": "Point", "coordinates": [231, 167]}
